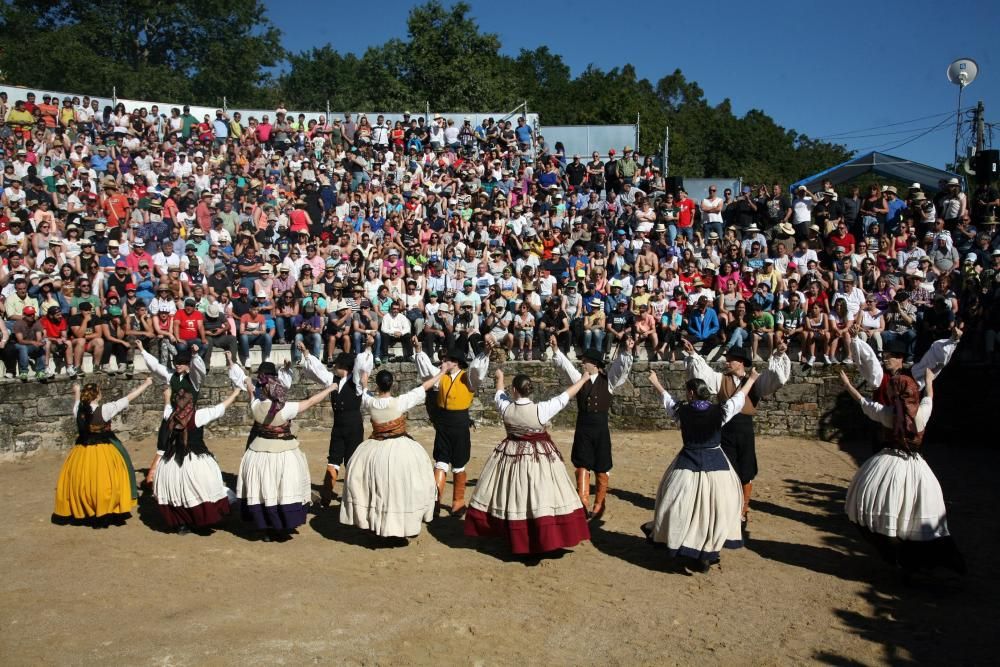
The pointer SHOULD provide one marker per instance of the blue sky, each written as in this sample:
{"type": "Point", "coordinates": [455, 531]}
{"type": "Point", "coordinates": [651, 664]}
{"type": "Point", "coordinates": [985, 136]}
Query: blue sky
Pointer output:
{"type": "Point", "coordinates": [822, 69]}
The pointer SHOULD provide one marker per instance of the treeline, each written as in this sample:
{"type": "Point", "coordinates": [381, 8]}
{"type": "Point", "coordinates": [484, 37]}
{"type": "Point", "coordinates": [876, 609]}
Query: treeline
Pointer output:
{"type": "Point", "coordinates": [206, 50]}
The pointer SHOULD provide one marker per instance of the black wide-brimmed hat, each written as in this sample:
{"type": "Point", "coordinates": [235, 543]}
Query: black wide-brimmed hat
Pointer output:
{"type": "Point", "coordinates": [267, 368]}
{"type": "Point", "coordinates": [457, 356]}
{"type": "Point", "coordinates": [345, 360]}
{"type": "Point", "coordinates": [740, 353]}
{"type": "Point", "coordinates": [593, 356]}
{"type": "Point", "coordinates": [182, 357]}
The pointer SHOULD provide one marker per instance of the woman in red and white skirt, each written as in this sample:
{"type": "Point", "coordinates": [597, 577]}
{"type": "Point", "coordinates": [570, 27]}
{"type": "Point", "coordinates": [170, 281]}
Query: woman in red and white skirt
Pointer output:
{"type": "Point", "coordinates": [524, 493]}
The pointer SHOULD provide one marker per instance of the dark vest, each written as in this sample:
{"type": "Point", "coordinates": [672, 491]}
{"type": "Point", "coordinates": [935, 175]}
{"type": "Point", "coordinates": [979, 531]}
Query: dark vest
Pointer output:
{"type": "Point", "coordinates": [728, 388]}
{"type": "Point", "coordinates": [594, 397]}
{"type": "Point", "coordinates": [346, 402]}
{"type": "Point", "coordinates": [177, 383]}
{"type": "Point", "coordinates": [700, 429]}
{"type": "Point", "coordinates": [93, 431]}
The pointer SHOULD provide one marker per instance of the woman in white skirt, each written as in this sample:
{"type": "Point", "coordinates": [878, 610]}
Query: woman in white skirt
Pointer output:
{"type": "Point", "coordinates": [524, 493]}
{"type": "Point", "coordinates": [389, 488]}
{"type": "Point", "coordinates": [894, 498]}
{"type": "Point", "coordinates": [188, 486]}
{"type": "Point", "coordinates": [273, 483]}
{"type": "Point", "coordinates": [700, 499]}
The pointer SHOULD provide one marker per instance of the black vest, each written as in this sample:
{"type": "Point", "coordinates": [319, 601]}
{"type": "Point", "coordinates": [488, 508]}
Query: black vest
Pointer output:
{"type": "Point", "coordinates": [178, 383]}
{"type": "Point", "coordinates": [346, 402]}
{"type": "Point", "coordinates": [700, 429]}
{"type": "Point", "coordinates": [594, 397]}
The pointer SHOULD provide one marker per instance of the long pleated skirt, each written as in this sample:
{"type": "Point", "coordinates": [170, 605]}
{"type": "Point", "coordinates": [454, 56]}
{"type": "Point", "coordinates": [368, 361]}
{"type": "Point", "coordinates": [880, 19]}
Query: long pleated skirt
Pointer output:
{"type": "Point", "coordinates": [525, 495]}
{"type": "Point", "coordinates": [389, 488]}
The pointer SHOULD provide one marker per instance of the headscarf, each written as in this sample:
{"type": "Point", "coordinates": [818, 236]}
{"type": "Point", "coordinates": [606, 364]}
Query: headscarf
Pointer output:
{"type": "Point", "coordinates": [904, 395]}
{"type": "Point", "coordinates": [180, 423]}
{"type": "Point", "coordinates": [272, 390]}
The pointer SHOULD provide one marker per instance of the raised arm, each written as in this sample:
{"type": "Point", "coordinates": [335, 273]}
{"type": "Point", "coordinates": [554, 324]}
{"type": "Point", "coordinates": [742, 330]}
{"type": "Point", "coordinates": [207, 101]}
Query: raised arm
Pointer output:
{"type": "Point", "coordinates": [425, 368]}
{"type": "Point", "coordinates": [109, 410]}
{"type": "Point", "coordinates": [779, 369]}
{"type": "Point", "coordinates": [872, 409]}
{"type": "Point", "coordinates": [869, 367]}
{"type": "Point", "coordinates": [550, 408]}
{"type": "Point", "coordinates": [198, 371]}
{"type": "Point", "coordinates": [622, 364]}
{"type": "Point", "coordinates": [735, 403]}
{"type": "Point", "coordinates": [698, 368]}
{"type": "Point", "coordinates": [478, 369]}
{"type": "Point", "coordinates": [315, 398]}
{"type": "Point", "coordinates": [158, 370]}
{"type": "Point", "coordinates": [205, 416]}
{"type": "Point", "coordinates": [668, 401]}
{"type": "Point", "coordinates": [313, 368]}
{"type": "Point", "coordinates": [560, 361]}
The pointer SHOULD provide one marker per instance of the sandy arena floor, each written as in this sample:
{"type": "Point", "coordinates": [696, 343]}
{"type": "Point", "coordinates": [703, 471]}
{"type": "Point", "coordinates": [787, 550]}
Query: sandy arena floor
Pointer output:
{"type": "Point", "coordinates": [805, 588]}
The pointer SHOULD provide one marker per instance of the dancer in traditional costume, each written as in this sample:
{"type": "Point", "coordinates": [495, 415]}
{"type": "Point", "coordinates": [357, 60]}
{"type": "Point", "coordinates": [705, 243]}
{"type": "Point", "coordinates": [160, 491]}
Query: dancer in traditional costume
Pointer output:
{"type": "Point", "coordinates": [738, 439]}
{"type": "Point", "coordinates": [348, 430]}
{"type": "Point", "coordinates": [97, 483]}
{"type": "Point", "coordinates": [389, 488]}
{"type": "Point", "coordinates": [700, 498]}
{"type": "Point", "coordinates": [450, 415]}
{"type": "Point", "coordinates": [183, 381]}
{"type": "Point", "coordinates": [273, 483]}
{"type": "Point", "coordinates": [524, 493]}
{"type": "Point", "coordinates": [870, 369]}
{"type": "Point", "coordinates": [592, 437]}
{"type": "Point", "coordinates": [188, 486]}
{"type": "Point", "coordinates": [894, 498]}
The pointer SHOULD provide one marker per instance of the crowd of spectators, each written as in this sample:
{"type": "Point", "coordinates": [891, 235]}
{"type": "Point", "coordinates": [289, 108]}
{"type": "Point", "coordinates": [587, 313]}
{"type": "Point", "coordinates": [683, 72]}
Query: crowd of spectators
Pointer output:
{"type": "Point", "coordinates": [124, 228]}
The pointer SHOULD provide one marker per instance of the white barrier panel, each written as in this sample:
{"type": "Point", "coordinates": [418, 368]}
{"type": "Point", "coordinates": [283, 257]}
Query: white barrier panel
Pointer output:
{"type": "Point", "coordinates": [19, 93]}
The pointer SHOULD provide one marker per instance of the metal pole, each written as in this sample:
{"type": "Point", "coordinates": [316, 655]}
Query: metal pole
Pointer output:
{"type": "Point", "coordinates": [428, 118]}
{"type": "Point", "coordinates": [958, 125]}
{"type": "Point", "coordinates": [225, 105]}
{"type": "Point", "coordinates": [114, 96]}
{"type": "Point", "coordinates": [666, 152]}
{"type": "Point", "coordinates": [637, 119]}
{"type": "Point", "coordinates": [328, 113]}
{"type": "Point", "coordinates": [980, 128]}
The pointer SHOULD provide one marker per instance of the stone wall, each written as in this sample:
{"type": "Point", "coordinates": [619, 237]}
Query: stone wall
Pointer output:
{"type": "Point", "coordinates": [34, 415]}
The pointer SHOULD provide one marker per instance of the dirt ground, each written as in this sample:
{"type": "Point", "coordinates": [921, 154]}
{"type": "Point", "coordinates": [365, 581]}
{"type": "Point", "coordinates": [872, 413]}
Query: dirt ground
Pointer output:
{"type": "Point", "coordinates": [804, 589]}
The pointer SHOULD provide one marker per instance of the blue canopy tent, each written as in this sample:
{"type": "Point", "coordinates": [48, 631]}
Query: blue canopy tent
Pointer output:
{"type": "Point", "coordinates": [882, 164]}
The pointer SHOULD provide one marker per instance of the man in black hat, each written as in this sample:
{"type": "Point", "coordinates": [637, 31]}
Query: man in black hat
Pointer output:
{"type": "Point", "coordinates": [186, 378]}
{"type": "Point", "coordinates": [348, 430]}
{"type": "Point", "coordinates": [448, 406]}
{"type": "Point", "coordinates": [738, 440]}
{"type": "Point", "coordinates": [592, 438]}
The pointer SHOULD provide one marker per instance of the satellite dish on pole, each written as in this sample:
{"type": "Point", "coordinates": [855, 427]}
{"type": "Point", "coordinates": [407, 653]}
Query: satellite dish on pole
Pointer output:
{"type": "Point", "coordinates": [963, 71]}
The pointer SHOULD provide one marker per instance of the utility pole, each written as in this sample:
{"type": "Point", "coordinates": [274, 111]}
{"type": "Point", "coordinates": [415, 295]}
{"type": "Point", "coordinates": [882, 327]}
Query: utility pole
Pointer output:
{"type": "Point", "coordinates": [980, 128]}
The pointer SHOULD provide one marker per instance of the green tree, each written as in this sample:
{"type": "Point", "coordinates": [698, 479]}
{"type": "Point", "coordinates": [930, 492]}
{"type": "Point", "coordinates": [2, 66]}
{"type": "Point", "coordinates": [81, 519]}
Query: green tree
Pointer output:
{"type": "Point", "coordinates": [199, 50]}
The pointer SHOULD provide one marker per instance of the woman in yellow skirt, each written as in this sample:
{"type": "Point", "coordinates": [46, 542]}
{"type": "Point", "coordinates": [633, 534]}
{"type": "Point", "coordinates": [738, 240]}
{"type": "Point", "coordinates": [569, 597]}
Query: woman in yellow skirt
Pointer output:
{"type": "Point", "coordinates": [97, 484]}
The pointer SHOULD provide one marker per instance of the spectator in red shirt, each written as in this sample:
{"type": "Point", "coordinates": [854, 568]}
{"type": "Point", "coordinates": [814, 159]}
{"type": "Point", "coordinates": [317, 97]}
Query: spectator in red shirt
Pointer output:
{"type": "Point", "coordinates": [843, 239]}
{"type": "Point", "coordinates": [253, 331]}
{"type": "Point", "coordinates": [57, 333]}
{"type": "Point", "coordinates": [685, 215]}
{"type": "Point", "coordinates": [189, 328]}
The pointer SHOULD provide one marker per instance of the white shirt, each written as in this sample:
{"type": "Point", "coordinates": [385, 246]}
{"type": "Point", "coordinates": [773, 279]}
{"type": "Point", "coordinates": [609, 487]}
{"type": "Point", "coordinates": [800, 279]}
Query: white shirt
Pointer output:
{"type": "Point", "coordinates": [397, 325]}
{"type": "Point", "coordinates": [546, 409]}
{"type": "Point", "coordinates": [802, 210]}
{"type": "Point", "coordinates": [712, 203]}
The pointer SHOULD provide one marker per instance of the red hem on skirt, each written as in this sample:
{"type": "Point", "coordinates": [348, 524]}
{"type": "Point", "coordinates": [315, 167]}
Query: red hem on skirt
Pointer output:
{"type": "Point", "coordinates": [199, 516]}
{"type": "Point", "coordinates": [531, 536]}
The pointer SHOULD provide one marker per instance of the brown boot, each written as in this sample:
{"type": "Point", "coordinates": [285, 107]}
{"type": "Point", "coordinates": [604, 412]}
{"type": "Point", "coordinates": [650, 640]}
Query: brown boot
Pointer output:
{"type": "Point", "coordinates": [602, 492]}
{"type": "Point", "coordinates": [747, 491]}
{"type": "Point", "coordinates": [583, 486]}
{"type": "Point", "coordinates": [326, 491]}
{"type": "Point", "coordinates": [440, 479]}
{"type": "Point", "coordinates": [458, 493]}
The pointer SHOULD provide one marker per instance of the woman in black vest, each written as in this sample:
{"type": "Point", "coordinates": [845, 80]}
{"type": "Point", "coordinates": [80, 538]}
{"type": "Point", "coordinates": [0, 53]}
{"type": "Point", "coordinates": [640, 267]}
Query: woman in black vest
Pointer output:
{"type": "Point", "coordinates": [188, 485]}
{"type": "Point", "coordinates": [697, 511]}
